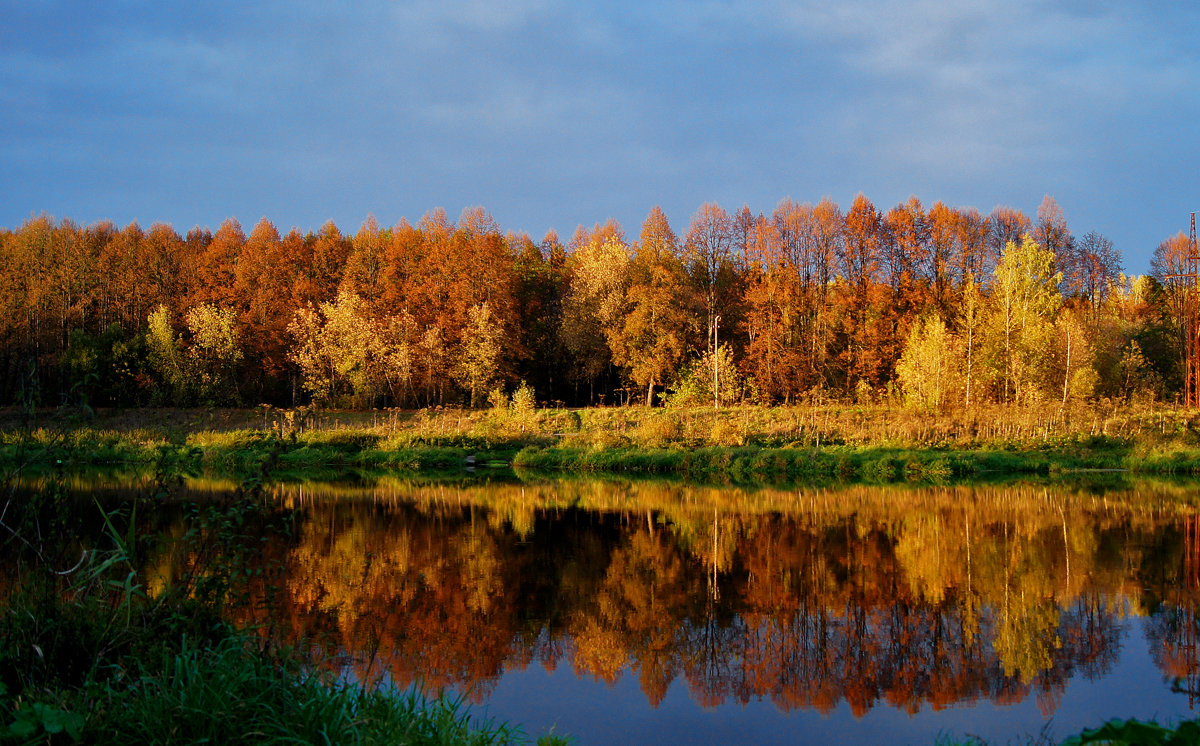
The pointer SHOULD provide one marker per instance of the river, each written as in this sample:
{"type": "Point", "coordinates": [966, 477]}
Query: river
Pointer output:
{"type": "Point", "coordinates": [625, 611]}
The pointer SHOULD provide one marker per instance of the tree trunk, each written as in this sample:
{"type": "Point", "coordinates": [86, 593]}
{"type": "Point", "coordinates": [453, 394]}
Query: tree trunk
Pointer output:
{"type": "Point", "coordinates": [1067, 374]}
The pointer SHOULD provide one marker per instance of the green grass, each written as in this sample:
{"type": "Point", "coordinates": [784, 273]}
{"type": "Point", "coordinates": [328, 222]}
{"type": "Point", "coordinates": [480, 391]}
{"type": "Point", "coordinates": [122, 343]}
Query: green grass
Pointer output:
{"type": "Point", "coordinates": [231, 691]}
{"type": "Point", "coordinates": [828, 441]}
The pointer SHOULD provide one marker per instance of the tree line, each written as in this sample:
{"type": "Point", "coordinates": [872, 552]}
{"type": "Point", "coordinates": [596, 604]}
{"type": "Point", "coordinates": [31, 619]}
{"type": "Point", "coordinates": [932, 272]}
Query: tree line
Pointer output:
{"type": "Point", "coordinates": [942, 307]}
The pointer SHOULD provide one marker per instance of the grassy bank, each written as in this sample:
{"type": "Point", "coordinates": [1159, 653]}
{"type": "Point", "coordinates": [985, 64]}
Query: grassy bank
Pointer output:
{"type": "Point", "coordinates": [877, 444]}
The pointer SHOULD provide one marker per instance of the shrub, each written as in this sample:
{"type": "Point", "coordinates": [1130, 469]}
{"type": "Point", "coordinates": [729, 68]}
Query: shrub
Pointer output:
{"type": "Point", "coordinates": [659, 430]}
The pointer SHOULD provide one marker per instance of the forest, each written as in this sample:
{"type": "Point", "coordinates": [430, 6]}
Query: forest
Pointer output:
{"type": "Point", "coordinates": [939, 308]}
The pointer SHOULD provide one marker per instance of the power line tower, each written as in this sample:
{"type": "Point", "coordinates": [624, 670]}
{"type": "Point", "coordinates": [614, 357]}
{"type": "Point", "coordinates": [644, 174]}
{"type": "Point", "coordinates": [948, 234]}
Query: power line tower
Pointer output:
{"type": "Point", "coordinates": [1188, 280]}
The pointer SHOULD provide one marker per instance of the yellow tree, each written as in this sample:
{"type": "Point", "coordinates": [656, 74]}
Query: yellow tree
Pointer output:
{"type": "Point", "coordinates": [1024, 302]}
{"type": "Point", "coordinates": [339, 351]}
{"type": "Point", "coordinates": [201, 365]}
{"type": "Point", "coordinates": [594, 304]}
{"type": "Point", "coordinates": [970, 322]}
{"type": "Point", "coordinates": [928, 370]}
{"type": "Point", "coordinates": [214, 353]}
{"type": "Point", "coordinates": [1075, 355]}
{"type": "Point", "coordinates": [479, 354]}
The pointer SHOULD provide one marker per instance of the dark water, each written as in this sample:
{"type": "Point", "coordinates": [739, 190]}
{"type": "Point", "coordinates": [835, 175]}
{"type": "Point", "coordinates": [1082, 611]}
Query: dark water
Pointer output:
{"type": "Point", "coordinates": [652, 612]}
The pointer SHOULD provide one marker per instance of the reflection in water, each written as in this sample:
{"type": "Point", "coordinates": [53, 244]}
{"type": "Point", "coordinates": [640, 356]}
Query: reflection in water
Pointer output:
{"type": "Point", "coordinates": [808, 598]}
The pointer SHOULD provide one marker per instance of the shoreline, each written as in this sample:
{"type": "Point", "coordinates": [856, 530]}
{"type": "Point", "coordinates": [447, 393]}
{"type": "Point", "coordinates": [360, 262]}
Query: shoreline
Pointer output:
{"type": "Point", "coordinates": [831, 442]}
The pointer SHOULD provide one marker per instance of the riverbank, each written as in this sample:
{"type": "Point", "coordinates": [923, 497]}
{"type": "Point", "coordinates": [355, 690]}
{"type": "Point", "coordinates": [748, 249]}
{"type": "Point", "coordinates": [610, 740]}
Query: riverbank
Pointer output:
{"type": "Point", "coordinates": [832, 441]}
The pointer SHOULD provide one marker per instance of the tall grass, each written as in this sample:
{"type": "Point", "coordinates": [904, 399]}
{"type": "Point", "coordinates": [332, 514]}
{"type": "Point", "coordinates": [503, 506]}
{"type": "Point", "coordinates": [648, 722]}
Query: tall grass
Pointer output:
{"type": "Point", "coordinates": [232, 693]}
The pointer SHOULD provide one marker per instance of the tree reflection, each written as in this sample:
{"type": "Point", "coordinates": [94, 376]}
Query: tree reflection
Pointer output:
{"type": "Point", "coordinates": [916, 598]}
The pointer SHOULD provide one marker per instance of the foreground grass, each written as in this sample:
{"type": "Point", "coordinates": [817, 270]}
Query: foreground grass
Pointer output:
{"type": "Point", "coordinates": [233, 693]}
{"type": "Point", "coordinates": [873, 443]}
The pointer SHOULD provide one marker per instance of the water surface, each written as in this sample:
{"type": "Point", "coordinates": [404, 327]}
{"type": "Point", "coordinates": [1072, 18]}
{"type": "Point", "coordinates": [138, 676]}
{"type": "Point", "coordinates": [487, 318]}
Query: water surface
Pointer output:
{"type": "Point", "coordinates": [659, 612]}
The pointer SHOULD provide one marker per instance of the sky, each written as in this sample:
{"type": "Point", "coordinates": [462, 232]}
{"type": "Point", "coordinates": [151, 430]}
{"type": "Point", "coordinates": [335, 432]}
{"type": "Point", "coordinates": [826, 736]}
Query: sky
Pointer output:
{"type": "Point", "coordinates": [553, 114]}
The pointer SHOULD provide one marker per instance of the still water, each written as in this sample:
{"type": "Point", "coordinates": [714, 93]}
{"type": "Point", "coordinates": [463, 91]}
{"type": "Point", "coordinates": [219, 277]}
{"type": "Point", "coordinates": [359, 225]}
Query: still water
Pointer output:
{"type": "Point", "coordinates": [659, 612]}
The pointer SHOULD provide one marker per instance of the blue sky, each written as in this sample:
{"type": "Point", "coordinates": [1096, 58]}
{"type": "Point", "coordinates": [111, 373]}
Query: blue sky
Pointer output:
{"type": "Point", "coordinates": [551, 114]}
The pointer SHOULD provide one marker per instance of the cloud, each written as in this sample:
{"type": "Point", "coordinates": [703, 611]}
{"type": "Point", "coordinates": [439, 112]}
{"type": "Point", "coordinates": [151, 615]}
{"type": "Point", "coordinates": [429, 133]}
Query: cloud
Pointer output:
{"type": "Point", "coordinates": [555, 112]}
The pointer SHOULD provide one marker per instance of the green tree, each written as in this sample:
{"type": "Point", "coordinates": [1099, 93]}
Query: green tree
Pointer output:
{"type": "Point", "coordinates": [165, 357]}
{"type": "Point", "coordinates": [201, 365]}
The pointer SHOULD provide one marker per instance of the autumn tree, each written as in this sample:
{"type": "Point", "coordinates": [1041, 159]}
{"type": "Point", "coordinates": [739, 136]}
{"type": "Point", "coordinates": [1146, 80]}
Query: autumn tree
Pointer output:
{"type": "Point", "coordinates": [1170, 259]}
{"type": "Point", "coordinates": [216, 267]}
{"type": "Point", "coordinates": [1051, 233]}
{"type": "Point", "coordinates": [905, 249]}
{"type": "Point", "coordinates": [1023, 305]}
{"type": "Point", "coordinates": [742, 225]}
{"type": "Point", "coordinates": [778, 303]}
{"type": "Point", "coordinates": [861, 249]}
{"type": "Point", "coordinates": [479, 352]}
{"type": "Point", "coordinates": [945, 247]}
{"type": "Point", "coordinates": [709, 259]}
{"type": "Point", "coordinates": [214, 353]}
{"type": "Point", "coordinates": [263, 283]}
{"type": "Point", "coordinates": [806, 297]}
{"type": "Point", "coordinates": [970, 322]}
{"type": "Point", "coordinates": [200, 364]}
{"type": "Point", "coordinates": [906, 254]}
{"type": "Point", "coordinates": [867, 333]}
{"type": "Point", "coordinates": [977, 255]}
{"type": "Point", "coordinates": [1006, 225]}
{"type": "Point", "coordinates": [928, 371]}
{"type": "Point", "coordinates": [538, 291]}
{"type": "Point", "coordinates": [339, 352]}
{"type": "Point", "coordinates": [709, 380]}
{"type": "Point", "coordinates": [323, 265]}
{"type": "Point", "coordinates": [1096, 266]}
{"type": "Point", "coordinates": [652, 338]}
{"type": "Point", "coordinates": [122, 257]}
{"type": "Point", "coordinates": [808, 241]}
{"type": "Point", "coordinates": [1074, 356]}
{"type": "Point", "coordinates": [363, 273]}
{"type": "Point", "coordinates": [165, 355]}
{"type": "Point", "coordinates": [594, 304]}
